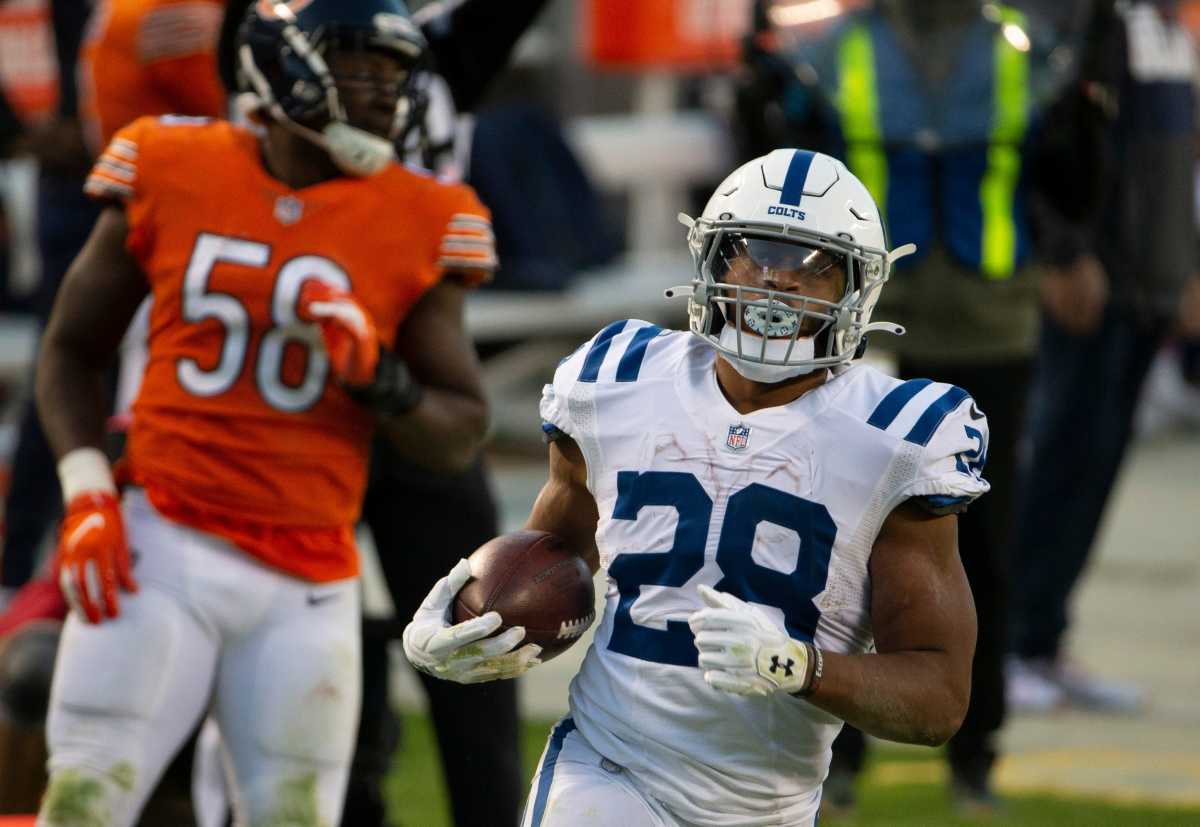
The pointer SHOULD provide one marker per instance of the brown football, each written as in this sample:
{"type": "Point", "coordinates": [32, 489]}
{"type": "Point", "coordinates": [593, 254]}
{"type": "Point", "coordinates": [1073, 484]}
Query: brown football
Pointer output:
{"type": "Point", "coordinates": [533, 580]}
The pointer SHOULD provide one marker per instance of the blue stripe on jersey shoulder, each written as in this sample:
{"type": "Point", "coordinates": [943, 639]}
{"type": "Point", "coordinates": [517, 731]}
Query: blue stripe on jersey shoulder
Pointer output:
{"type": "Point", "coordinates": [631, 362]}
{"type": "Point", "coordinates": [889, 408]}
{"type": "Point", "coordinates": [599, 349]}
{"type": "Point", "coordinates": [546, 775]}
{"type": "Point", "coordinates": [925, 427]}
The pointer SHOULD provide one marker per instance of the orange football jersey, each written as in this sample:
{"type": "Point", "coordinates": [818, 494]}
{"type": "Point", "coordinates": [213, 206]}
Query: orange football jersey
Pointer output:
{"type": "Point", "coordinates": [148, 57]}
{"type": "Point", "coordinates": [238, 428]}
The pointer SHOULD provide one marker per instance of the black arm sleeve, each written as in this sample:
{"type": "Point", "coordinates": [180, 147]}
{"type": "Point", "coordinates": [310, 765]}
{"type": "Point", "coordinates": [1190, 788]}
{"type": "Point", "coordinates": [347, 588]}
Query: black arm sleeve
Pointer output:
{"type": "Point", "coordinates": [472, 40]}
{"type": "Point", "coordinates": [393, 392]}
{"type": "Point", "coordinates": [774, 106]}
{"type": "Point", "coordinates": [235, 13]}
{"type": "Point", "coordinates": [1072, 156]}
{"type": "Point", "coordinates": [70, 18]}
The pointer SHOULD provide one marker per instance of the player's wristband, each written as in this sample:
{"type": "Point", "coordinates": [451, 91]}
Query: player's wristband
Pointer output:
{"type": "Point", "coordinates": [85, 469]}
{"type": "Point", "coordinates": [817, 664]}
{"type": "Point", "coordinates": [393, 392]}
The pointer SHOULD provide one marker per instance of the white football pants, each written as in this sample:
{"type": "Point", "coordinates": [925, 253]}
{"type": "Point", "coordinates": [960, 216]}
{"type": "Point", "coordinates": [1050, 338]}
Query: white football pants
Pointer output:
{"type": "Point", "coordinates": [273, 658]}
{"type": "Point", "coordinates": [575, 786]}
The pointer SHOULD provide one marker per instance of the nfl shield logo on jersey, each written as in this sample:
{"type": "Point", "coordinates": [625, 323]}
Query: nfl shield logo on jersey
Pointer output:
{"type": "Point", "coordinates": [288, 209]}
{"type": "Point", "coordinates": [739, 437]}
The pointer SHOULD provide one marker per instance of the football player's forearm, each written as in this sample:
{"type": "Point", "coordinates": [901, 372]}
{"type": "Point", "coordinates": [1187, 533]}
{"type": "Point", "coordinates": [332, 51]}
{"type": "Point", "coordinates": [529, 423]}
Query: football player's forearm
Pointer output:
{"type": "Point", "coordinates": [71, 399]}
{"type": "Point", "coordinates": [443, 433]}
{"type": "Point", "coordinates": [569, 513]}
{"type": "Point", "coordinates": [911, 697]}
{"type": "Point", "coordinates": [95, 303]}
{"type": "Point", "coordinates": [565, 506]}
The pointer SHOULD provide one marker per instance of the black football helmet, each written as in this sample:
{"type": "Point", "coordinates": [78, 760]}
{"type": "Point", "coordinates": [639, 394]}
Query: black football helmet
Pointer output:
{"type": "Point", "coordinates": [282, 49]}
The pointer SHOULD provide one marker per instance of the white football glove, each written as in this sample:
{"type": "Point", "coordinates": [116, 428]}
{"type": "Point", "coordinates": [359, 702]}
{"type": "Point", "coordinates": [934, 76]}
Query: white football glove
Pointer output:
{"type": "Point", "coordinates": [742, 651]}
{"type": "Point", "coordinates": [459, 653]}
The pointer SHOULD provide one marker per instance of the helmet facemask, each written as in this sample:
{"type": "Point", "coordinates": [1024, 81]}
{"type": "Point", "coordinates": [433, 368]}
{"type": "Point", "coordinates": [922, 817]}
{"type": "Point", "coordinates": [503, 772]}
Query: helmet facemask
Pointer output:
{"type": "Point", "coordinates": [779, 302]}
{"type": "Point", "coordinates": [301, 90]}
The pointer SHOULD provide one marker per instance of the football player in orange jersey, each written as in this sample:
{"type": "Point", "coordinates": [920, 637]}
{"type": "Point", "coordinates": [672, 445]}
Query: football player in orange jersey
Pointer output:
{"type": "Point", "coordinates": [307, 289]}
{"type": "Point", "coordinates": [148, 57]}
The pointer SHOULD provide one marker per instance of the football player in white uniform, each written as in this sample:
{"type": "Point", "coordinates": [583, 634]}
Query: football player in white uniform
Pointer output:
{"type": "Point", "coordinates": [776, 524]}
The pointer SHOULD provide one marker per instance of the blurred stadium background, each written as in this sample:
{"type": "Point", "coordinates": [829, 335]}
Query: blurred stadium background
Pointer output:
{"type": "Point", "coordinates": [642, 91]}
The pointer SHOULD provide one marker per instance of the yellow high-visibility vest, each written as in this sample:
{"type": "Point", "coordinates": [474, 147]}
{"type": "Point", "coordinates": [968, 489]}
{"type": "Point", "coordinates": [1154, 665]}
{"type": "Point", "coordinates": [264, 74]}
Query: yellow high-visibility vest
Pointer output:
{"type": "Point", "coordinates": [866, 145]}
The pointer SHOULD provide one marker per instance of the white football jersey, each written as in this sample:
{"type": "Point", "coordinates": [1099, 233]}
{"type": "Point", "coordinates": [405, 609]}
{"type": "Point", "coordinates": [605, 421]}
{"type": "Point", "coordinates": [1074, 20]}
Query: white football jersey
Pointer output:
{"type": "Point", "coordinates": [780, 507]}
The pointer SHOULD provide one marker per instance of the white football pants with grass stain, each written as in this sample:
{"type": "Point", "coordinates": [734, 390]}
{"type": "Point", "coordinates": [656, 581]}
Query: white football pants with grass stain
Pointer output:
{"type": "Point", "coordinates": [274, 659]}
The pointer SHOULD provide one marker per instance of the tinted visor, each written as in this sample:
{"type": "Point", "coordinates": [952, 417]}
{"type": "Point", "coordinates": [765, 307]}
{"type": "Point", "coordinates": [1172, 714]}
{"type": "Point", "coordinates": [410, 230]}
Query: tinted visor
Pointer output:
{"type": "Point", "coordinates": [780, 265]}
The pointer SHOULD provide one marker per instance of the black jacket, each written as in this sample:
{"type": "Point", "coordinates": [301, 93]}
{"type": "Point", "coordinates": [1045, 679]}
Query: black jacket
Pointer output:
{"type": "Point", "coordinates": [470, 41]}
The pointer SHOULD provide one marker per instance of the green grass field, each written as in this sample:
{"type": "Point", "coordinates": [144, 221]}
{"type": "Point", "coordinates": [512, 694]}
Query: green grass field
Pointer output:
{"type": "Point", "coordinates": [902, 788]}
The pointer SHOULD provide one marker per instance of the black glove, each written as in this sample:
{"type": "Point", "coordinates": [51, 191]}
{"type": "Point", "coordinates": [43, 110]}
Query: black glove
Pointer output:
{"type": "Point", "coordinates": [393, 392]}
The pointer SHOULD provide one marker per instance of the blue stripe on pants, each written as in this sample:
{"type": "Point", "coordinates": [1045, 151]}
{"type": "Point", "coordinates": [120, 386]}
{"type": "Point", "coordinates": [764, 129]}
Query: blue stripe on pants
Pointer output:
{"type": "Point", "coordinates": [546, 777]}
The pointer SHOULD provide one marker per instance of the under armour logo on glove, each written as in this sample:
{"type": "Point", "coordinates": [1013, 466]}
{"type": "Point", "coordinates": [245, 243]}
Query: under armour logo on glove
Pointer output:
{"type": "Point", "coordinates": [786, 667]}
{"type": "Point", "coordinates": [743, 651]}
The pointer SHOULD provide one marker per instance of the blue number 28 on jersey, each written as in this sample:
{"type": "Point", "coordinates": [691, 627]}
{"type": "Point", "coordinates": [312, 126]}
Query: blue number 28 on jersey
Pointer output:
{"type": "Point", "coordinates": [791, 592]}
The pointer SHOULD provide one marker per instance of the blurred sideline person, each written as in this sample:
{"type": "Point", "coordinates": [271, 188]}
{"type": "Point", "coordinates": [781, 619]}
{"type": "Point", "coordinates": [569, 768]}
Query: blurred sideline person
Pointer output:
{"type": "Point", "coordinates": [1121, 292]}
{"type": "Point", "coordinates": [806, 505]}
{"type": "Point", "coordinates": [276, 348]}
{"type": "Point", "coordinates": [149, 57]}
{"type": "Point", "coordinates": [938, 105]}
{"type": "Point", "coordinates": [64, 219]}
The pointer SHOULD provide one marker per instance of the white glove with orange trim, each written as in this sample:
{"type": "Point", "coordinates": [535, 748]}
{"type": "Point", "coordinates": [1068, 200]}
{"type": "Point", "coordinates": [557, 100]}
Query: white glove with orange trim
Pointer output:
{"type": "Point", "coordinates": [347, 329]}
{"type": "Point", "coordinates": [93, 555]}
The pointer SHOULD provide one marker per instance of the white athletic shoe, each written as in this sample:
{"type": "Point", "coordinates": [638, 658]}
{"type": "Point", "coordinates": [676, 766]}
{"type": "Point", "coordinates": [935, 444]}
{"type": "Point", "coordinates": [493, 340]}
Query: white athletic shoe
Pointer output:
{"type": "Point", "coordinates": [1040, 685]}
{"type": "Point", "coordinates": [1088, 691]}
{"type": "Point", "coordinates": [1029, 690]}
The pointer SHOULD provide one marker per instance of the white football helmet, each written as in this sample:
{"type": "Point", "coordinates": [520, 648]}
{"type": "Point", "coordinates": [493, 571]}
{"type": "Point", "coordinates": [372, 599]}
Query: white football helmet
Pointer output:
{"type": "Point", "coordinates": [789, 217]}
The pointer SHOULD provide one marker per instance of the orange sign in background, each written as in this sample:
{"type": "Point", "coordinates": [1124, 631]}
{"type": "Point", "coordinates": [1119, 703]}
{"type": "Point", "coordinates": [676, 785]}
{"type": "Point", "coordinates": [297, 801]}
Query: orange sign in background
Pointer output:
{"type": "Point", "coordinates": [1191, 16]}
{"type": "Point", "coordinates": [666, 34]}
{"type": "Point", "coordinates": [28, 67]}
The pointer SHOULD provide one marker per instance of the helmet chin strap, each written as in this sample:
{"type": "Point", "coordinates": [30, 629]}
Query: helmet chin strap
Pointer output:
{"type": "Point", "coordinates": [355, 151]}
{"type": "Point", "coordinates": [776, 350]}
